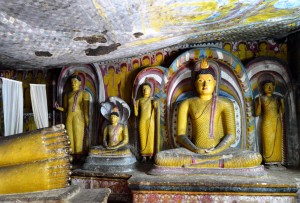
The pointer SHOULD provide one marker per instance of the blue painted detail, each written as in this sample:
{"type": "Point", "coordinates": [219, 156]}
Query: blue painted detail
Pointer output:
{"type": "Point", "coordinates": [202, 53]}
{"type": "Point", "coordinates": [185, 96]}
{"type": "Point", "coordinates": [213, 16]}
{"type": "Point", "coordinates": [284, 4]}
{"type": "Point", "coordinates": [226, 95]}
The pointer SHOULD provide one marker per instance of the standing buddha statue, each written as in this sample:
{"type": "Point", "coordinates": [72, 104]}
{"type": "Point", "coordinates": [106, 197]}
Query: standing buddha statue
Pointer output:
{"type": "Point", "coordinates": [147, 108]}
{"type": "Point", "coordinates": [271, 109]}
{"type": "Point", "coordinates": [77, 107]}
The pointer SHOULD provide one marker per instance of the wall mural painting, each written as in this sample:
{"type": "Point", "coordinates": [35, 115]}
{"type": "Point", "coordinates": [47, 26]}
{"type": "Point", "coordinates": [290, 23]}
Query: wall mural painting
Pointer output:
{"type": "Point", "coordinates": [118, 74]}
{"type": "Point", "coordinates": [246, 51]}
{"type": "Point", "coordinates": [36, 76]}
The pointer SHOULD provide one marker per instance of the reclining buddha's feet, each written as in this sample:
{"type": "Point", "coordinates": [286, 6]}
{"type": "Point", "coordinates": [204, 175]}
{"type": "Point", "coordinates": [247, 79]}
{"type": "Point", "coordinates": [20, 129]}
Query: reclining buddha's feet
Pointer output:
{"type": "Point", "coordinates": [37, 160]}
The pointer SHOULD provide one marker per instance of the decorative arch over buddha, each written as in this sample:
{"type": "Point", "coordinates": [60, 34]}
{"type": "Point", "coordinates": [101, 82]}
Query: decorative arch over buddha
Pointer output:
{"type": "Point", "coordinates": [233, 84]}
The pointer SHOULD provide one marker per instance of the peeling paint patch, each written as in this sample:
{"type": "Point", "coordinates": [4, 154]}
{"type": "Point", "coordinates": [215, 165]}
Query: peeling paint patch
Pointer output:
{"type": "Point", "coordinates": [146, 41]}
{"type": "Point", "coordinates": [138, 34]}
{"type": "Point", "coordinates": [102, 50]}
{"type": "Point", "coordinates": [92, 39]}
{"type": "Point", "coordinates": [43, 53]}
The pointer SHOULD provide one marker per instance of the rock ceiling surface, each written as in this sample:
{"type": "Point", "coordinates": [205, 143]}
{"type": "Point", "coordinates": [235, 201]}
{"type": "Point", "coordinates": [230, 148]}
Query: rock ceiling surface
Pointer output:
{"type": "Point", "coordinates": [40, 33]}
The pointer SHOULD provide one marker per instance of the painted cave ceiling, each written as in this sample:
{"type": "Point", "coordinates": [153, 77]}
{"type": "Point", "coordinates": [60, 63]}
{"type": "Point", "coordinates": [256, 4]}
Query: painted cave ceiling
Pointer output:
{"type": "Point", "coordinates": [40, 33]}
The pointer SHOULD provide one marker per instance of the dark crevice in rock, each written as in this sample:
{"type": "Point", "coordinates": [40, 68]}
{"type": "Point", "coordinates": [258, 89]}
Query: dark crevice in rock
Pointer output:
{"type": "Point", "coordinates": [102, 50]}
{"type": "Point", "coordinates": [43, 53]}
{"type": "Point", "coordinates": [92, 39]}
{"type": "Point", "coordinates": [138, 34]}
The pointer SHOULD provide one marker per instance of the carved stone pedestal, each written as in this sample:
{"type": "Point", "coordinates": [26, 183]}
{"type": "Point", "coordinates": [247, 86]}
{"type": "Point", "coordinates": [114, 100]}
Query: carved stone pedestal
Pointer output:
{"type": "Point", "coordinates": [110, 164]}
{"type": "Point", "coordinates": [114, 161]}
{"type": "Point", "coordinates": [274, 186]}
{"type": "Point", "coordinates": [116, 182]}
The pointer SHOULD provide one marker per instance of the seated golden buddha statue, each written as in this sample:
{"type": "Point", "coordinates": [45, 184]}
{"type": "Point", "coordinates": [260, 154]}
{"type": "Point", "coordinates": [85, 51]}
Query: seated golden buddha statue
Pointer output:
{"type": "Point", "coordinates": [35, 161]}
{"type": "Point", "coordinates": [213, 131]}
{"type": "Point", "coordinates": [115, 152]}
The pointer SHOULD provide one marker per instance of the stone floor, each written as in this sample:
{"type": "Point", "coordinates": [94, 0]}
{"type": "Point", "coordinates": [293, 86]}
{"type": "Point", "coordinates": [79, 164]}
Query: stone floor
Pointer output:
{"type": "Point", "coordinates": [72, 194]}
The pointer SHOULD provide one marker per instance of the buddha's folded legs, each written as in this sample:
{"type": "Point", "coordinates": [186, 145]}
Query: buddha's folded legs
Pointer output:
{"type": "Point", "coordinates": [230, 158]}
{"type": "Point", "coordinates": [100, 150]}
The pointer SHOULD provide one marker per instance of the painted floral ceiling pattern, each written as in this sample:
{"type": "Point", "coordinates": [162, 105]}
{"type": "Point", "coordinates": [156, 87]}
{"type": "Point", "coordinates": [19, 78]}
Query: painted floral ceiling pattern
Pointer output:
{"type": "Point", "coordinates": [40, 33]}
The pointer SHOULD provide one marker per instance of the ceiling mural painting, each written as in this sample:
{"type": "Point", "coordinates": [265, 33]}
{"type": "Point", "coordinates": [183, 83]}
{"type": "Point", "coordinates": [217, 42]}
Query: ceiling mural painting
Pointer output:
{"type": "Point", "coordinates": [39, 33]}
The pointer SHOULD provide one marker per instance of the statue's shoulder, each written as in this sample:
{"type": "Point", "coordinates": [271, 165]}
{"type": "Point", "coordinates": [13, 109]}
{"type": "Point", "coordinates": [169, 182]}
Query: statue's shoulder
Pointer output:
{"type": "Point", "coordinates": [189, 101]}
{"type": "Point", "coordinates": [224, 101]}
{"type": "Point", "coordinates": [85, 94]}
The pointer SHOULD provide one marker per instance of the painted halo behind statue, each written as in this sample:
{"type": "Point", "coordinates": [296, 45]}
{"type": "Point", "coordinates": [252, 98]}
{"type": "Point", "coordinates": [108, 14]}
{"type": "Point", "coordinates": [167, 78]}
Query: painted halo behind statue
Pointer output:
{"type": "Point", "coordinates": [112, 102]}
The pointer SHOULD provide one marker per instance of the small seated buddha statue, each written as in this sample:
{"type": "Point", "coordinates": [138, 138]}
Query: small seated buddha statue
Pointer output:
{"type": "Point", "coordinates": [115, 138]}
{"type": "Point", "coordinates": [213, 130]}
{"type": "Point", "coordinates": [114, 155]}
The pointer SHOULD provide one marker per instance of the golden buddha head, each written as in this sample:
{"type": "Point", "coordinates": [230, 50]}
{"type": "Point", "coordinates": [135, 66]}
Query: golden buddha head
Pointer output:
{"type": "Point", "coordinates": [75, 81]}
{"type": "Point", "coordinates": [114, 116]}
{"type": "Point", "coordinates": [29, 75]}
{"type": "Point", "coordinates": [135, 64]}
{"type": "Point", "coordinates": [123, 67]}
{"type": "Point", "coordinates": [39, 75]}
{"type": "Point", "coordinates": [19, 75]}
{"type": "Point", "coordinates": [227, 47]}
{"type": "Point", "coordinates": [111, 70]}
{"type": "Point", "coordinates": [205, 84]}
{"type": "Point", "coordinates": [269, 87]}
{"type": "Point", "coordinates": [205, 81]}
{"type": "Point", "coordinates": [7, 74]}
{"type": "Point", "coordinates": [159, 57]}
{"type": "Point", "coordinates": [146, 61]}
{"type": "Point", "coordinates": [146, 89]}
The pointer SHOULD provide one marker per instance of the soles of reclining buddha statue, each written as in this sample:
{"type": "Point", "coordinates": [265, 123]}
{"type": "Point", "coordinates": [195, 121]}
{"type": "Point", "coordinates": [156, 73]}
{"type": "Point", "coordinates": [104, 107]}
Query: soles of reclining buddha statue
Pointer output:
{"type": "Point", "coordinates": [35, 161]}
